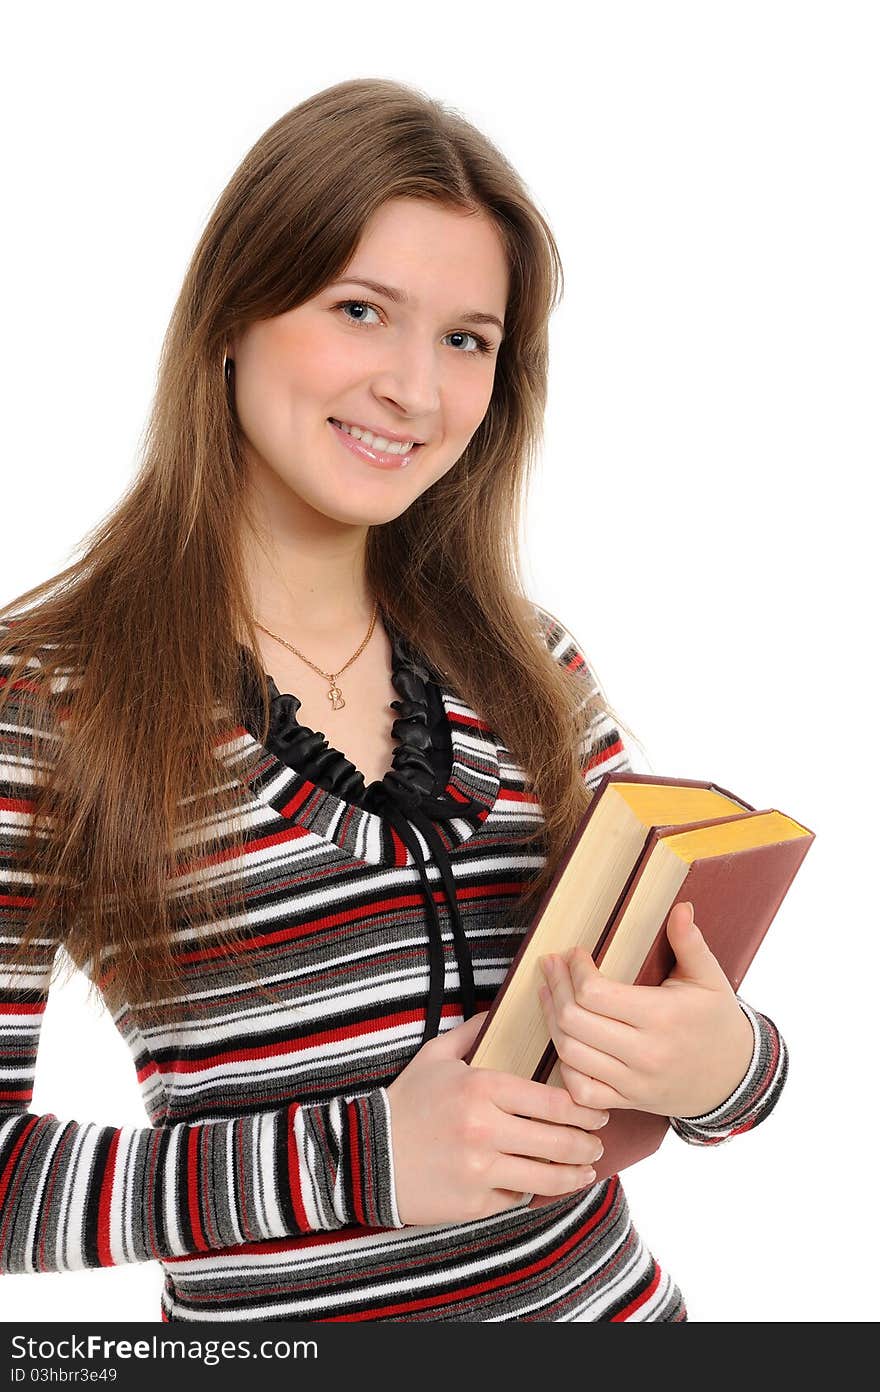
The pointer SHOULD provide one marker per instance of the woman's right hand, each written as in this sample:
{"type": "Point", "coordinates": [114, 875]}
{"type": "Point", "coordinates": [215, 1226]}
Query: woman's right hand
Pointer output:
{"type": "Point", "coordinates": [469, 1142]}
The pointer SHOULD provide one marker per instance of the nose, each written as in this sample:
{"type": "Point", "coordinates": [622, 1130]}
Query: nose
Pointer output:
{"type": "Point", "coordinates": [410, 379]}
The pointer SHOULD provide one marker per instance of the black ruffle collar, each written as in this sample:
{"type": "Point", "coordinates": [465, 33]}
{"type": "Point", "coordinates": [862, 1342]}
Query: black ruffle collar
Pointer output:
{"type": "Point", "coordinates": [421, 761]}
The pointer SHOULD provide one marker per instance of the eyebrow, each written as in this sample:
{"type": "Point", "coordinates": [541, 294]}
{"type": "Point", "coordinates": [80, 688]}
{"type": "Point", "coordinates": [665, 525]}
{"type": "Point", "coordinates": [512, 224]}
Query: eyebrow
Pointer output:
{"type": "Point", "coordinates": [473, 316]}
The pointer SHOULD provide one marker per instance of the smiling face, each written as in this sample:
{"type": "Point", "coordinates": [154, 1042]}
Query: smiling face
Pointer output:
{"type": "Point", "coordinates": [416, 370]}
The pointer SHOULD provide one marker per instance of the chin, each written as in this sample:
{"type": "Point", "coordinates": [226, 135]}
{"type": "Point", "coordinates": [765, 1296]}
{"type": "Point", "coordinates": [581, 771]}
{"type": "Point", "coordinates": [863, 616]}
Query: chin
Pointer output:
{"type": "Point", "coordinates": [373, 512]}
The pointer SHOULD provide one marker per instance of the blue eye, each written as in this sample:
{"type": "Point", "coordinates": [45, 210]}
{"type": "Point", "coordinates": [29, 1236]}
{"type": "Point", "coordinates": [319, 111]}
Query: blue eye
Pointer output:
{"type": "Point", "coordinates": [360, 304]}
{"type": "Point", "coordinates": [483, 344]}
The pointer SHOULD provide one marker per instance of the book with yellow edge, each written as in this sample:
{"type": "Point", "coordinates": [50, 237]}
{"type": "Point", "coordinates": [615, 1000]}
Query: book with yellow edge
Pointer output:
{"type": "Point", "coordinates": [645, 844]}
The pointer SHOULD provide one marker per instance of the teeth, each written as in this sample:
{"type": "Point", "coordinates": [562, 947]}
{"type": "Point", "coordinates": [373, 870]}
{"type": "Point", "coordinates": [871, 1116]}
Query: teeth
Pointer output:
{"type": "Point", "coordinates": [377, 442]}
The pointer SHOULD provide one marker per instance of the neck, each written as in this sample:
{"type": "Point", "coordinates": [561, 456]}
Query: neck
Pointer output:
{"type": "Point", "coordinates": [307, 578]}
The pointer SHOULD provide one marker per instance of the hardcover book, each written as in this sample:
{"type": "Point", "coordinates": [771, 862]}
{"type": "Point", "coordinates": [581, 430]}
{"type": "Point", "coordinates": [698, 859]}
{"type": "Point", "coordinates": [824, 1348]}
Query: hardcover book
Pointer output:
{"type": "Point", "coordinates": [645, 844]}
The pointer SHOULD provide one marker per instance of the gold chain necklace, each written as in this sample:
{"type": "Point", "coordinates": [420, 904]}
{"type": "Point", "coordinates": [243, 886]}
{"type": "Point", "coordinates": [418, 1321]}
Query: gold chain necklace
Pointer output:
{"type": "Point", "coordinates": [334, 695]}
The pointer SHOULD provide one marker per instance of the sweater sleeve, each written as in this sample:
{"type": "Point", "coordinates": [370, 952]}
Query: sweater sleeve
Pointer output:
{"type": "Point", "coordinates": [755, 1096]}
{"type": "Point", "coordinates": [85, 1194]}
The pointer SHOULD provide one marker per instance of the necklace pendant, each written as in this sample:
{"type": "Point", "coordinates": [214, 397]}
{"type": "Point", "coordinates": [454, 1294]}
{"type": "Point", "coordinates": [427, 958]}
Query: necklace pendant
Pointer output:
{"type": "Point", "coordinates": [335, 695]}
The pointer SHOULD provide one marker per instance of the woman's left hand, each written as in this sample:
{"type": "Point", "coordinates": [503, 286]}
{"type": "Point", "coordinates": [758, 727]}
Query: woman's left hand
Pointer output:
{"type": "Point", "coordinates": [678, 1049]}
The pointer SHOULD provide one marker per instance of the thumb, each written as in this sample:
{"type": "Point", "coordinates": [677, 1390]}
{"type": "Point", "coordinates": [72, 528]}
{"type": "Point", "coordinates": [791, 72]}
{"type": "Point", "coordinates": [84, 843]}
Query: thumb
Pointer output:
{"type": "Point", "coordinates": [693, 957]}
{"type": "Point", "coordinates": [456, 1042]}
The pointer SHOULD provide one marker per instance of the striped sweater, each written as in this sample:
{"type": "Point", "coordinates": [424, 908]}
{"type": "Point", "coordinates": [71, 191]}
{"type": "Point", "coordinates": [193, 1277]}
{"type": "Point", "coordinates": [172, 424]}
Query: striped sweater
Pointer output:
{"type": "Point", "coordinates": [264, 1183]}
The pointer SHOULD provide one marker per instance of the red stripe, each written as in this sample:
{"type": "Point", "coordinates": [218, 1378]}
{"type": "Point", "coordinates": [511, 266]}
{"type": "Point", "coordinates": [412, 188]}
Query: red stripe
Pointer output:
{"type": "Point", "coordinates": [20, 684]}
{"type": "Point", "coordinates": [746, 1126]}
{"type": "Point", "coordinates": [293, 1175]}
{"type": "Point", "coordinates": [10, 1166]}
{"type": "Point", "coordinates": [308, 1041]}
{"type": "Point", "coordinates": [299, 799]}
{"type": "Point", "coordinates": [460, 797]}
{"type": "Point", "coordinates": [278, 838]}
{"type": "Point", "coordinates": [639, 1301]}
{"type": "Point", "coordinates": [10, 804]}
{"type": "Point", "coordinates": [599, 758]}
{"type": "Point", "coordinates": [469, 722]}
{"type": "Point", "coordinates": [399, 851]}
{"type": "Point", "coordinates": [193, 1189]}
{"type": "Point", "coordinates": [354, 1145]}
{"type": "Point", "coordinates": [17, 901]}
{"type": "Point", "coordinates": [104, 1254]}
{"type": "Point", "coordinates": [517, 795]}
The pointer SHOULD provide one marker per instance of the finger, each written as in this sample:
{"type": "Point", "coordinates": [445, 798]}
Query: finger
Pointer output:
{"type": "Point", "coordinates": [584, 1058]}
{"type": "Point", "coordinates": [538, 1176]}
{"type": "Point", "coordinates": [542, 1140]}
{"type": "Point", "coordinates": [618, 1000]}
{"type": "Point", "coordinates": [524, 1097]}
{"type": "Point", "coordinates": [589, 1091]}
{"type": "Point", "coordinates": [581, 1022]}
{"type": "Point", "coordinates": [586, 1061]}
{"type": "Point", "coordinates": [455, 1042]}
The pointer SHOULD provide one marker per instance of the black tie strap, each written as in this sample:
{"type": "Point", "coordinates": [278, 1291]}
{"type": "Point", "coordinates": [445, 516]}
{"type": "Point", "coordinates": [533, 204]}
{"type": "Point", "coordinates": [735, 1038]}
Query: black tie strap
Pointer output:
{"type": "Point", "coordinates": [405, 809]}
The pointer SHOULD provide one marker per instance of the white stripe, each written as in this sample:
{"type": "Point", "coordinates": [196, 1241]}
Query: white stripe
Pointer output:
{"type": "Point", "coordinates": [306, 1172]}
{"type": "Point", "coordinates": [255, 1126]}
{"type": "Point", "coordinates": [175, 1237]}
{"type": "Point", "coordinates": [655, 1302]}
{"type": "Point", "coordinates": [76, 1192]}
{"type": "Point", "coordinates": [24, 1075]}
{"type": "Point", "coordinates": [386, 1108]}
{"type": "Point", "coordinates": [230, 1183]}
{"type": "Point", "coordinates": [626, 1278]}
{"type": "Point", "coordinates": [127, 1140]}
{"type": "Point", "coordinates": [335, 1123]}
{"type": "Point", "coordinates": [372, 847]}
{"type": "Point", "coordinates": [271, 1125]}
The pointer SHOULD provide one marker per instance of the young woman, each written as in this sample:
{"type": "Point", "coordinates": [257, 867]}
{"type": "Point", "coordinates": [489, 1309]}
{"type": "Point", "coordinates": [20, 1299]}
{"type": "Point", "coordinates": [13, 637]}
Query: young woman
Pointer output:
{"type": "Point", "coordinates": [286, 761]}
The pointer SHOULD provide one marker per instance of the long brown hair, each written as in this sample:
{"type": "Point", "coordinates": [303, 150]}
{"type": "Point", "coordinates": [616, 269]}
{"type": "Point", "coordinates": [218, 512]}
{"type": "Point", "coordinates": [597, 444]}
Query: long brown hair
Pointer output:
{"type": "Point", "coordinates": [131, 650]}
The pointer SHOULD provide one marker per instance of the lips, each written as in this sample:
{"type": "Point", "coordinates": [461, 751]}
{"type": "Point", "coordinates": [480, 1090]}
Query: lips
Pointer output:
{"type": "Point", "coordinates": [376, 432]}
{"type": "Point", "coordinates": [376, 458]}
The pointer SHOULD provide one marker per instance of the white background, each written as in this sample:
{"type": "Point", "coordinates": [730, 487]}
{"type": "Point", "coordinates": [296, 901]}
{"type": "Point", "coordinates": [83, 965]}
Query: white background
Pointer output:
{"type": "Point", "coordinates": [702, 521]}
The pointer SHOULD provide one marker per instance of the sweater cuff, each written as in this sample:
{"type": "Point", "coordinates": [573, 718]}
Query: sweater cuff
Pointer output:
{"type": "Point", "coordinates": [754, 1097]}
{"type": "Point", "coordinates": [340, 1164]}
{"type": "Point", "coordinates": [377, 1191]}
